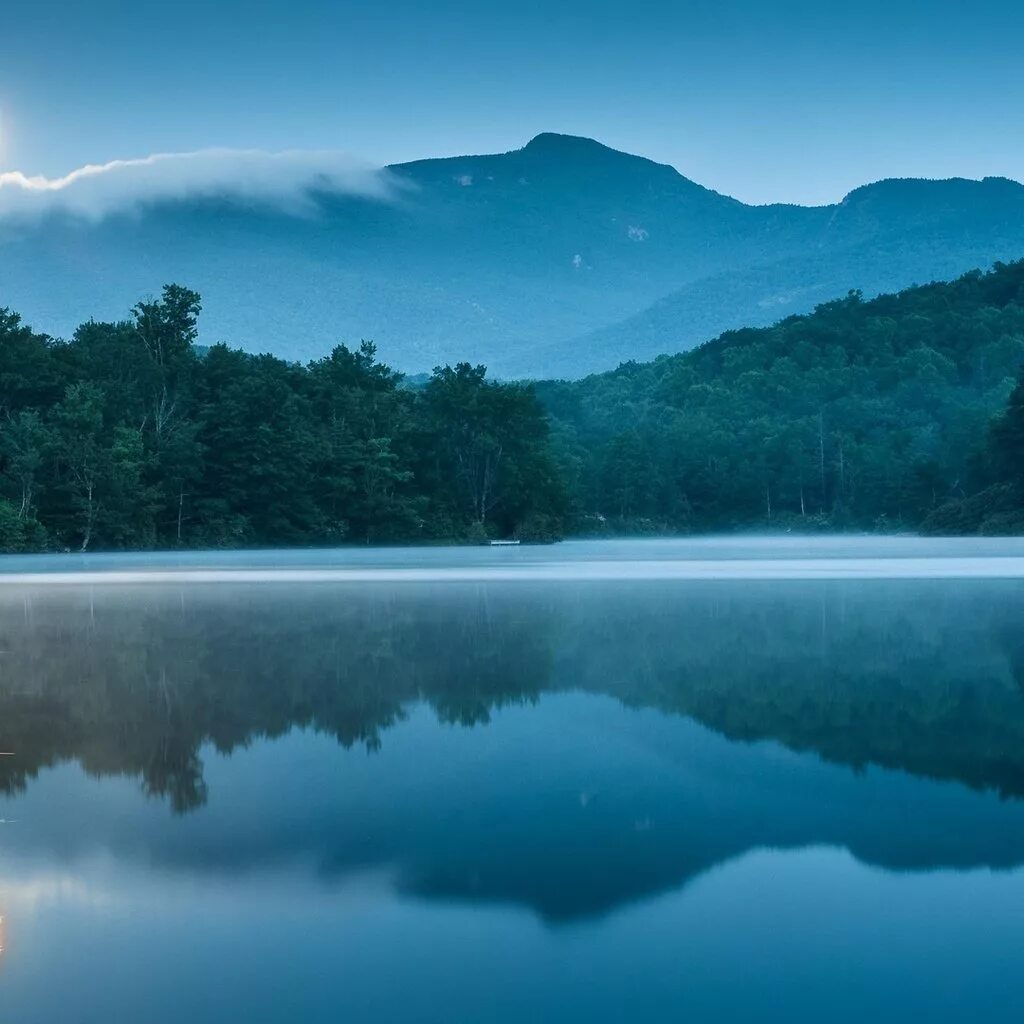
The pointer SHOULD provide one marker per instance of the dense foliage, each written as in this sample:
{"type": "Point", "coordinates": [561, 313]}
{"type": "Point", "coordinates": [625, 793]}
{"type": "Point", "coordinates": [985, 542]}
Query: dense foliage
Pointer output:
{"type": "Point", "coordinates": [127, 436]}
{"type": "Point", "coordinates": [898, 413]}
{"type": "Point", "coordinates": [871, 415]}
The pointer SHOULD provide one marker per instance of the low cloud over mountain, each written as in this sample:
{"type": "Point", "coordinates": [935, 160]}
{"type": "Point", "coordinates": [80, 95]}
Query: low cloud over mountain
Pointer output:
{"type": "Point", "coordinates": [283, 180]}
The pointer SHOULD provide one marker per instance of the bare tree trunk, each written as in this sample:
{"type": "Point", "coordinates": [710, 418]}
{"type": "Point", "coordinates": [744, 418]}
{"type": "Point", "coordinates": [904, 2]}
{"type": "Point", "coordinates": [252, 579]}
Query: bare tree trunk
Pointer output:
{"type": "Point", "coordinates": [181, 502]}
{"type": "Point", "coordinates": [821, 453]}
{"type": "Point", "coordinates": [88, 518]}
{"type": "Point", "coordinates": [489, 477]}
{"type": "Point", "coordinates": [485, 486]}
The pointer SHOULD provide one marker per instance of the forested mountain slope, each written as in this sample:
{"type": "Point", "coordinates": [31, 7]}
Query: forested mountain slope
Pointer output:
{"type": "Point", "coordinates": [868, 414]}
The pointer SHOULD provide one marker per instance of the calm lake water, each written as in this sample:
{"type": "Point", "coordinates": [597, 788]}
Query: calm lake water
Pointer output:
{"type": "Point", "coordinates": [724, 780]}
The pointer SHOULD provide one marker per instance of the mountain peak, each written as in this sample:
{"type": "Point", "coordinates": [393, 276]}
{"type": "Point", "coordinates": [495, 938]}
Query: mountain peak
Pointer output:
{"type": "Point", "coordinates": [579, 148]}
{"type": "Point", "coordinates": [579, 155]}
{"type": "Point", "coordinates": [554, 142]}
{"type": "Point", "coordinates": [926, 190]}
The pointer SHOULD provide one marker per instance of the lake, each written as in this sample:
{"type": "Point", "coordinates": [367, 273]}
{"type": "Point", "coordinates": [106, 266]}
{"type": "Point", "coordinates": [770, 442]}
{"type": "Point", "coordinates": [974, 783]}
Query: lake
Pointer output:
{"type": "Point", "coordinates": [707, 780]}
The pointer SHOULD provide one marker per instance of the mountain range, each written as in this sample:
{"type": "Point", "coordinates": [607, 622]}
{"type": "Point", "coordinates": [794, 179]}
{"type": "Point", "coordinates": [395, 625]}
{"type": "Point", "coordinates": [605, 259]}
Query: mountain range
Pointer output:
{"type": "Point", "coordinates": [561, 258]}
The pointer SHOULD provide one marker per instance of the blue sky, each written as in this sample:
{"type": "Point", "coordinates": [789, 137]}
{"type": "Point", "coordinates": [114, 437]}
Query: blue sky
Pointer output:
{"type": "Point", "coordinates": [791, 101]}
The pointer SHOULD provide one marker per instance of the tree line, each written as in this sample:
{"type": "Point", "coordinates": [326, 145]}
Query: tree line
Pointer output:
{"type": "Point", "coordinates": [905, 412]}
{"type": "Point", "coordinates": [129, 435]}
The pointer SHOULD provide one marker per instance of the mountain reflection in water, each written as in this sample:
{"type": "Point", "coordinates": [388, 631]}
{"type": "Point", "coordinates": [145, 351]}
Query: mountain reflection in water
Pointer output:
{"type": "Point", "coordinates": [615, 773]}
{"type": "Point", "coordinates": [569, 791]}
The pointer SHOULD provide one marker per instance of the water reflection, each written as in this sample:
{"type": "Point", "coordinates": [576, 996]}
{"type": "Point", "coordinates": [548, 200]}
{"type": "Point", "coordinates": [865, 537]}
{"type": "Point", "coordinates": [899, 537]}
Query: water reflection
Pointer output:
{"type": "Point", "coordinates": [507, 801]}
{"type": "Point", "coordinates": [925, 677]}
{"type": "Point", "coordinates": [574, 805]}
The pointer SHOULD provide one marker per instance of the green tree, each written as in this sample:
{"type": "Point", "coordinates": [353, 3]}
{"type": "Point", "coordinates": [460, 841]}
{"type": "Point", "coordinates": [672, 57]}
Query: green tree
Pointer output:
{"type": "Point", "coordinates": [24, 439]}
{"type": "Point", "coordinates": [83, 459]}
{"type": "Point", "coordinates": [1008, 439]}
{"type": "Point", "coordinates": [492, 455]}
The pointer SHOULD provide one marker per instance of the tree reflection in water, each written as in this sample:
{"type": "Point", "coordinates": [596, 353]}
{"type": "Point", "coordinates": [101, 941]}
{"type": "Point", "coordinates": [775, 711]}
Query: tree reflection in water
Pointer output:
{"type": "Point", "coordinates": [923, 677]}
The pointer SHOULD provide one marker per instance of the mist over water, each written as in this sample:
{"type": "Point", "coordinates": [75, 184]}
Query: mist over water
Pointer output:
{"type": "Point", "coordinates": [742, 558]}
{"type": "Point", "coordinates": [486, 784]}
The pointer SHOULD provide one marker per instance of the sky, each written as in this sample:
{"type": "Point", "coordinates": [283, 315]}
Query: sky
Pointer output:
{"type": "Point", "coordinates": [789, 101]}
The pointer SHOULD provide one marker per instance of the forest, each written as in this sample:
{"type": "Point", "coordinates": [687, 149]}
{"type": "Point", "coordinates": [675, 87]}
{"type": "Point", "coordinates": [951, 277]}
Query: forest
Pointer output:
{"type": "Point", "coordinates": [131, 436]}
{"type": "Point", "coordinates": [903, 413]}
